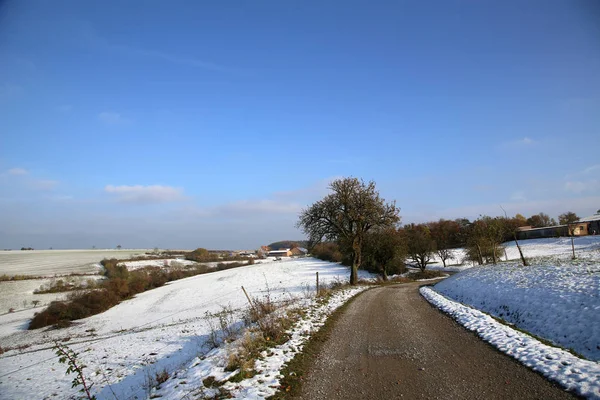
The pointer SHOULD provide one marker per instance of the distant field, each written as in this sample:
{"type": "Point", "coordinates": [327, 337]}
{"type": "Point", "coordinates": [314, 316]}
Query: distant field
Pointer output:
{"type": "Point", "coordinates": [53, 262]}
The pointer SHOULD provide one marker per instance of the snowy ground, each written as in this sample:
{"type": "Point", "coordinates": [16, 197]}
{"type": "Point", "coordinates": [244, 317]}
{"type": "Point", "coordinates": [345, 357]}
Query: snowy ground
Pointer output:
{"type": "Point", "coordinates": [536, 250]}
{"type": "Point", "coordinates": [58, 262]}
{"type": "Point", "coordinates": [162, 329]}
{"type": "Point", "coordinates": [556, 299]}
{"type": "Point", "coordinates": [189, 380]}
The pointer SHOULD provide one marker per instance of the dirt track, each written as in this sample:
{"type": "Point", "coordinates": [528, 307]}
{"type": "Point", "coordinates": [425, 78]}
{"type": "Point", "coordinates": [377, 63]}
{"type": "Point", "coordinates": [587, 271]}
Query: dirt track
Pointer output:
{"type": "Point", "coordinates": [391, 343]}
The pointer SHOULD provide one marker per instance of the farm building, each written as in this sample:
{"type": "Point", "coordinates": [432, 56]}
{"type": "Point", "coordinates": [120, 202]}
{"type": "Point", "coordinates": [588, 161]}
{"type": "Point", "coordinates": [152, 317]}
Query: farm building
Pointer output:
{"type": "Point", "coordinates": [585, 226]}
{"type": "Point", "coordinates": [280, 253]}
{"type": "Point", "coordinates": [593, 224]}
{"type": "Point", "coordinates": [299, 251]}
{"type": "Point", "coordinates": [527, 232]}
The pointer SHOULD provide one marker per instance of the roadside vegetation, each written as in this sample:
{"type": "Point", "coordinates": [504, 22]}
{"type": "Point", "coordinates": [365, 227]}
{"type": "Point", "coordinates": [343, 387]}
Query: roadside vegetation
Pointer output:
{"type": "Point", "coordinates": [119, 284]}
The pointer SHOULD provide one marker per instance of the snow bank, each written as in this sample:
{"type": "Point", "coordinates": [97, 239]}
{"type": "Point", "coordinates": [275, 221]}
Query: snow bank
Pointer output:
{"type": "Point", "coordinates": [558, 303]}
{"type": "Point", "coordinates": [578, 375]}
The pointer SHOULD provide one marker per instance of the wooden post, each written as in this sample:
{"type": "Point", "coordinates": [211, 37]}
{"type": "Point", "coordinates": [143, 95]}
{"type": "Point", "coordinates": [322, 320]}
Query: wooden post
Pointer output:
{"type": "Point", "coordinates": [317, 283]}
{"type": "Point", "coordinates": [253, 308]}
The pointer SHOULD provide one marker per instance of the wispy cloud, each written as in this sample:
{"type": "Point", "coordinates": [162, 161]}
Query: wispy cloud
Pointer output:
{"type": "Point", "coordinates": [65, 108]}
{"type": "Point", "coordinates": [591, 169]}
{"type": "Point", "coordinates": [260, 206]}
{"type": "Point", "coordinates": [526, 141]}
{"type": "Point", "coordinates": [171, 58]}
{"type": "Point", "coordinates": [113, 118]}
{"type": "Point", "coordinates": [92, 38]}
{"type": "Point", "coordinates": [9, 91]}
{"type": "Point", "coordinates": [43, 184]}
{"type": "Point", "coordinates": [518, 196]}
{"type": "Point", "coordinates": [592, 185]}
{"type": "Point", "coordinates": [140, 194]}
{"type": "Point", "coordinates": [17, 171]}
{"type": "Point", "coordinates": [22, 178]}
{"type": "Point", "coordinates": [58, 197]}
{"type": "Point", "coordinates": [520, 143]}
{"type": "Point", "coordinates": [309, 193]}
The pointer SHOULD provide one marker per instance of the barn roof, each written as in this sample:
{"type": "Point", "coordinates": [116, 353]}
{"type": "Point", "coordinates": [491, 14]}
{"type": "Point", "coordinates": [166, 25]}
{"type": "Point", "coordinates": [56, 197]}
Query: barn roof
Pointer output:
{"type": "Point", "coordinates": [595, 217]}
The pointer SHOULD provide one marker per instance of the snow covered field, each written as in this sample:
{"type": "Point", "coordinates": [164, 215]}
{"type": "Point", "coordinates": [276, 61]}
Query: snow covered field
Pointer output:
{"type": "Point", "coordinates": [161, 329]}
{"type": "Point", "coordinates": [535, 250]}
{"type": "Point", "coordinates": [556, 299]}
{"type": "Point", "coordinates": [58, 262]}
{"type": "Point", "coordinates": [18, 295]}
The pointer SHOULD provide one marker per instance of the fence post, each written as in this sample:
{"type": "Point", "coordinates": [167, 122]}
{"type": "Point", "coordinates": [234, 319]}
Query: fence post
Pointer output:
{"type": "Point", "coordinates": [317, 283]}
{"type": "Point", "coordinates": [253, 308]}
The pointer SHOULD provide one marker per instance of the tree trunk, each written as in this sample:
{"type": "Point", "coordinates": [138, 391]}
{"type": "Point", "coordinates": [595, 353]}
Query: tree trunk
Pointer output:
{"type": "Point", "coordinates": [573, 246]}
{"type": "Point", "coordinates": [479, 255]}
{"type": "Point", "coordinates": [356, 247]}
{"type": "Point", "coordinates": [422, 264]}
{"type": "Point", "coordinates": [384, 275]}
{"type": "Point", "coordinates": [525, 263]}
{"type": "Point", "coordinates": [444, 262]}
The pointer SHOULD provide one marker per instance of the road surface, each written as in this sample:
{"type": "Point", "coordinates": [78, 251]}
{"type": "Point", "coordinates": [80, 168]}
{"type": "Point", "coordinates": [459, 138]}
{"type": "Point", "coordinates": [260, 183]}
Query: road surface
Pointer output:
{"type": "Point", "coordinates": [391, 343]}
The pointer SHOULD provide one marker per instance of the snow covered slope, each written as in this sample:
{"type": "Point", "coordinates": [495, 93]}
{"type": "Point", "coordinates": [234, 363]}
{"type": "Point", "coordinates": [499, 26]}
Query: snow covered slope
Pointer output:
{"type": "Point", "coordinates": [560, 303]}
{"type": "Point", "coordinates": [162, 329]}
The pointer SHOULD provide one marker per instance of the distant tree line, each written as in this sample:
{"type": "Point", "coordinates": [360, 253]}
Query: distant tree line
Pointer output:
{"type": "Point", "coordinates": [356, 227]}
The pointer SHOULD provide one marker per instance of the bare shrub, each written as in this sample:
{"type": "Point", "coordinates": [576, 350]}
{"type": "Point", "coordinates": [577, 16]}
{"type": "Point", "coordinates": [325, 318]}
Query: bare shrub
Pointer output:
{"type": "Point", "coordinates": [161, 377]}
{"type": "Point", "coordinates": [222, 326]}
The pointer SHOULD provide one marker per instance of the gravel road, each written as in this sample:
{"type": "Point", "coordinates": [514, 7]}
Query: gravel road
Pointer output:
{"type": "Point", "coordinates": [391, 343]}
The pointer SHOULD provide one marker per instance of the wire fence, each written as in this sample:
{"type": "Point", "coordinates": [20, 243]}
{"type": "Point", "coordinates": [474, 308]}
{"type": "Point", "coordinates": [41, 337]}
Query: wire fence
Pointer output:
{"type": "Point", "coordinates": [136, 329]}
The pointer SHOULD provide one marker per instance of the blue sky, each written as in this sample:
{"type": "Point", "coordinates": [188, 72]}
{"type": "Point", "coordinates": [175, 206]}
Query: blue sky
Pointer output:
{"type": "Point", "coordinates": [187, 124]}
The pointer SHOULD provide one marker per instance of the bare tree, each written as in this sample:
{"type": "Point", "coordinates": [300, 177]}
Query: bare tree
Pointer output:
{"type": "Point", "coordinates": [567, 218]}
{"type": "Point", "coordinates": [541, 220]}
{"type": "Point", "coordinates": [347, 214]}
{"type": "Point", "coordinates": [442, 233]}
{"type": "Point", "coordinates": [419, 244]}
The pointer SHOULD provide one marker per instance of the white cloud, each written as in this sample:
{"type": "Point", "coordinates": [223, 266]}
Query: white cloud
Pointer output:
{"type": "Point", "coordinates": [113, 118]}
{"type": "Point", "coordinates": [582, 186]}
{"type": "Point", "coordinates": [145, 194]}
{"type": "Point", "coordinates": [17, 171]}
{"type": "Point", "coordinates": [43, 184]}
{"type": "Point", "coordinates": [526, 141]}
